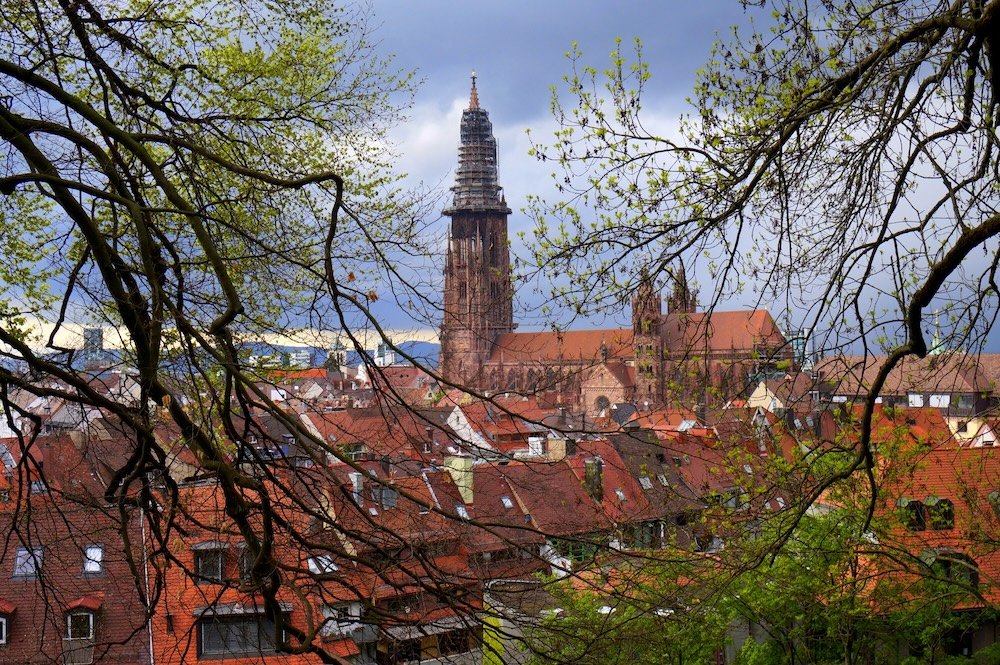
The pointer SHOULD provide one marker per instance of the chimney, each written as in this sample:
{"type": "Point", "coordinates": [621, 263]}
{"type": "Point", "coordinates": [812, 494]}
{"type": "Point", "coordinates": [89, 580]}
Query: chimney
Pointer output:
{"type": "Point", "coordinates": [357, 487]}
{"type": "Point", "coordinates": [460, 469]}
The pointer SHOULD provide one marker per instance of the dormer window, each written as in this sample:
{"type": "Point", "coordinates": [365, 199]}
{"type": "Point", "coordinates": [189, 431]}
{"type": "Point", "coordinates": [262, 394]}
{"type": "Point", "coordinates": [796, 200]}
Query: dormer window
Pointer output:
{"type": "Point", "coordinates": [940, 513]}
{"type": "Point", "coordinates": [912, 514]}
{"type": "Point", "coordinates": [322, 565]}
{"type": "Point", "coordinates": [209, 562]}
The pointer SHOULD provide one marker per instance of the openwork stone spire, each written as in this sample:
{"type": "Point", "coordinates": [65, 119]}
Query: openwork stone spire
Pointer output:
{"type": "Point", "coordinates": [476, 185]}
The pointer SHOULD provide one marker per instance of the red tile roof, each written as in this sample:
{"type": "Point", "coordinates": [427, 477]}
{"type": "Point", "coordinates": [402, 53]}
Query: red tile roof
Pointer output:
{"type": "Point", "coordinates": [721, 331]}
{"type": "Point", "coordinates": [580, 345]}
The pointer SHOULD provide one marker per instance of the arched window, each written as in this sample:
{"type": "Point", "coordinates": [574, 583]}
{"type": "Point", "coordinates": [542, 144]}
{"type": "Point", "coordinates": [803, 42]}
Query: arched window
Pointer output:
{"type": "Point", "coordinates": [952, 566]}
{"type": "Point", "coordinates": [912, 514]}
{"type": "Point", "coordinates": [602, 403]}
{"type": "Point", "coordinates": [940, 513]}
{"type": "Point", "coordinates": [512, 379]}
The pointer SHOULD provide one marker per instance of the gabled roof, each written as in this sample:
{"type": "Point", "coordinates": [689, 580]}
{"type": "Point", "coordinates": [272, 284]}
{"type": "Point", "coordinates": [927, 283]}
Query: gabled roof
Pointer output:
{"type": "Point", "coordinates": [742, 330]}
{"type": "Point", "coordinates": [568, 345]}
{"type": "Point", "coordinates": [946, 373]}
{"type": "Point", "coordinates": [554, 498]}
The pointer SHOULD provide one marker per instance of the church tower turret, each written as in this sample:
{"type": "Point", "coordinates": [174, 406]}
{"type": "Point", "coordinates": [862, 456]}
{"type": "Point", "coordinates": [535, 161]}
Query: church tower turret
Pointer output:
{"type": "Point", "coordinates": [647, 336]}
{"type": "Point", "coordinates": [478, 303]}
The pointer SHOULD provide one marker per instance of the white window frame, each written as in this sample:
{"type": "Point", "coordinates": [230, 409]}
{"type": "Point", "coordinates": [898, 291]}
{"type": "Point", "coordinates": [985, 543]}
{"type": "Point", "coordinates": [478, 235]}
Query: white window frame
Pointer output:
{"type": "Point", "coordinates": [4, 626]}
{"type": "Point", "coordinates": [91, 624]}
{"type": "Point", "coordinates": [915, 400]}
{"type": "Point", "coordinates": [939, 401]}
{"type": "Point", "coordinates": [28, 562]}
{"type": "Point", "coordinates": [321, 564]}
{"type": "Point", "coordinates": [93, 559]}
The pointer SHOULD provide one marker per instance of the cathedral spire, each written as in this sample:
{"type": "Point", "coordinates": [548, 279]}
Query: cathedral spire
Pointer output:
{"type": "Point", "coordinates": [478, 298]}
{"type": "Point", "coordinates": [476, 187]}
{"type": "Point", "coordinates": [473, 94]}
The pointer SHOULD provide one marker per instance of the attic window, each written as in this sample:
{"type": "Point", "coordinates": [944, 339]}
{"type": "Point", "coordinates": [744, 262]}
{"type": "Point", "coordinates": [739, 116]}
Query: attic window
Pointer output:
{"type": "Point", "coordinates": [940, 513]}
{"type": "Point", "coordinates": [507, 503]}
{"type": "Point", "coordinates": [646, 483]}
{"type": "Point", "coordinates": [663, 480]}
{"type": "Point", "coordinates": [620, 494]}
{"type": "Point", "coordinates": [912, 516]}
{"type": "Point", "coordinates": [321, 565]}
{"type": "Point", "coordinates": [373, 511]}
{"type": "Point", "coordinates": [994, 499]}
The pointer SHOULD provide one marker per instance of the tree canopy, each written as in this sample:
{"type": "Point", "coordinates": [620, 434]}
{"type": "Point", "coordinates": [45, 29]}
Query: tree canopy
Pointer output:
{"type": "Point", "coordinates": [839, 164]}
{"type": "Point", "coordinates": [191, 175]}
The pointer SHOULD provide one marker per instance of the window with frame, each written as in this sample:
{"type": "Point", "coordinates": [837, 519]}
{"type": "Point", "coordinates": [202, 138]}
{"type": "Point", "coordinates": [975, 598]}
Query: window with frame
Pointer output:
{"type": "Point", "coordinates": [240, 635]}
{"type": "Point", "coordinates": [93, 559]}
{"type": "Point", "coordinates": [940, 513]}
{"type": "Point", "coordinates": [322, 565]}
{"type": "Point", "coordinates": [953, 566]}
{"type": "Point", "coordinates": [27, 562]}
{"type": "Point", "coordinates": [4, 623]}
{"type": "Point", "coordinates": [208, 565]}
{"type": "Point", "coordinates": [80, 625]}
{"type": "Point", "coordinates": [912, 514]}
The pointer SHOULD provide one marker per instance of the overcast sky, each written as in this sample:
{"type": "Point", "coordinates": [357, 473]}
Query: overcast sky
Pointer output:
{"type": "Point", "coordinates": [518, 50]}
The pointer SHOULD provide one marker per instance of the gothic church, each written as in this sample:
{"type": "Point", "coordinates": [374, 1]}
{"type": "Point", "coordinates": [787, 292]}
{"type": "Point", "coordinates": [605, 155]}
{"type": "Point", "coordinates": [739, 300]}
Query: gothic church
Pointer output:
{"type": "Point", "coordinates": [682, 358]}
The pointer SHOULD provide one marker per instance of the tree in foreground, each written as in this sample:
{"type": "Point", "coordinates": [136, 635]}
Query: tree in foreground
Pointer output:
{"type": "Point", "coordinates": [191, 176]}
{"type": "Point", "coordinates": [840, 162]}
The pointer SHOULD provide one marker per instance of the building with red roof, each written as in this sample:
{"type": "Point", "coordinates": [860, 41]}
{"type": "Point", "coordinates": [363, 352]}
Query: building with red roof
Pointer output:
{"type": "Point", "coordinates": [682, 357]}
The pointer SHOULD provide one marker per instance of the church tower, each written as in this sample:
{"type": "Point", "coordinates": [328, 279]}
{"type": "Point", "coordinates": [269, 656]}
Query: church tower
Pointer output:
{"type": "Point", "coordinates": [478, 303]}
{"type": "Point", "coordinates": [647, 340]}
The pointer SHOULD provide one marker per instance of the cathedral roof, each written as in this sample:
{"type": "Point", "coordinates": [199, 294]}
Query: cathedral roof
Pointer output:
{"type": "Point", "coordinates": [721, 331]}
{"type": "Point", "coordinates": [526, 347]}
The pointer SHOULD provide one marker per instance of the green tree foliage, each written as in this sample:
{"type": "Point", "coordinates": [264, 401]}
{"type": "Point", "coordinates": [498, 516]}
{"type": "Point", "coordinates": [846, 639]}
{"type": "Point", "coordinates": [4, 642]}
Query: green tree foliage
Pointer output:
{"type": "Point", "coordinates": [192, 175]}
{"type": "Point", "coordinates": [840, 160]}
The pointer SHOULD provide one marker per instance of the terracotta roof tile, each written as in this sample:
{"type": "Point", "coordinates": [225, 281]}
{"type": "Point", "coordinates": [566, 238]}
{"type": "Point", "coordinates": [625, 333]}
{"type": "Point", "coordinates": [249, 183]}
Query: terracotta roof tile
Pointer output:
{"type": "Point", "coordinates": [580, 345]}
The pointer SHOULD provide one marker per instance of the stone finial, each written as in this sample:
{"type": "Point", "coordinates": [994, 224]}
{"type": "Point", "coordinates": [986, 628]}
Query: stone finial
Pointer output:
{"type": "Point", "coordinates": [474, 94]}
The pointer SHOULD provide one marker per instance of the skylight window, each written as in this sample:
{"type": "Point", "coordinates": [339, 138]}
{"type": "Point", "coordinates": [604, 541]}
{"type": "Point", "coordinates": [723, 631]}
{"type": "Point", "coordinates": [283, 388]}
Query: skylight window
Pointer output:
{"type": "Point", "coordinates": [620, 494]}
{"type": "Point", "coordinates": [646, 483]}
{"type": "Point", "coordinates": [663, 480]}
{"type": "Point", "coordinates": [507, 503]}
{"type": "Point", "coordinates": [321, 565]}
{"type": "Point", "coordinates": [462, 512]}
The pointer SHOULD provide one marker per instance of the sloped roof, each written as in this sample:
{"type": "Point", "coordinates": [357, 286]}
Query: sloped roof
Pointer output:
{"type": "Point", "coordinates": [568, 345]}
{"type": "Point", "coordinates": [555, 499]}
{"type": "Point", "coordinates": [946, 373]}
{"type": "Point", "coordinates": [721, 331]}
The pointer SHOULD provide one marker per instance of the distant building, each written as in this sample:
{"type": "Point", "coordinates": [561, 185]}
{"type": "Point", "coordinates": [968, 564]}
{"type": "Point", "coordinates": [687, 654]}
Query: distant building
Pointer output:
{"type": "Point", "coordinates": [683, 356]}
